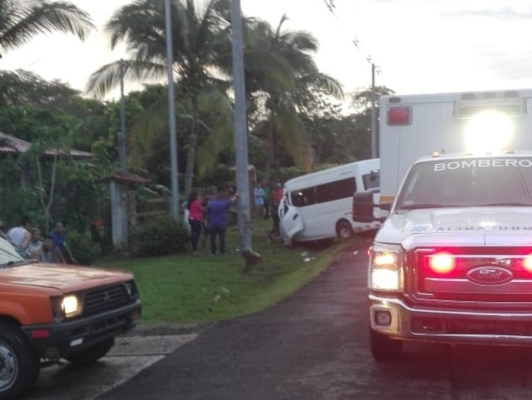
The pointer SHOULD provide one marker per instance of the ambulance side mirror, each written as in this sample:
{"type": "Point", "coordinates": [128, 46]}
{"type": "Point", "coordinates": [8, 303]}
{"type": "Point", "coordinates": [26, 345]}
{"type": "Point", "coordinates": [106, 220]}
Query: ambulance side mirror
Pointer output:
{"type": "Point", "coordinates": [364, 208]}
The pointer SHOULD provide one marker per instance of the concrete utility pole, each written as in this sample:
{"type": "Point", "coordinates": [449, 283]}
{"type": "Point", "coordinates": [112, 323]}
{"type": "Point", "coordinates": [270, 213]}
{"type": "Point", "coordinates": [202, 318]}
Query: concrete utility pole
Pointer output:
{"type": "Point", "coordinates": [373, 115]}
{"type": "Point", "coordinates": [122, 134]}
{"type": "Point", "coordinates": [171, 111]}
{"type": "Point", "coordinates": [241, 138]}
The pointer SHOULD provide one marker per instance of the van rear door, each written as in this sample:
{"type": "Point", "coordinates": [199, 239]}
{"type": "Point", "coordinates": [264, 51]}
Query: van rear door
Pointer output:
{"type": "Point", "coordinates": [290, 221]}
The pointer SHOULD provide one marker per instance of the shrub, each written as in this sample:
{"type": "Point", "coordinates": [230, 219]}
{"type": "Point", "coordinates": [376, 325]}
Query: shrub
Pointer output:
{"type": "Point", "coordinates": [161, 236]}
{"type": "Point", "coordinates": [83, 247]}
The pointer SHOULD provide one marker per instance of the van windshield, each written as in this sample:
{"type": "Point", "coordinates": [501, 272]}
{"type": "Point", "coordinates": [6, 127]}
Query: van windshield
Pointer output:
{"type": "Point", "coordinates": [470, 182]}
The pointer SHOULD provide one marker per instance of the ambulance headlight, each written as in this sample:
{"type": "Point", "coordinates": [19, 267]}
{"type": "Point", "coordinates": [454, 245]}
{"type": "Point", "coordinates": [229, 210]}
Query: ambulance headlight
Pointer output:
{"type": "Point", "coordinates": [385, 268]}
{"type": "Point", "coordinates": [488, 131]}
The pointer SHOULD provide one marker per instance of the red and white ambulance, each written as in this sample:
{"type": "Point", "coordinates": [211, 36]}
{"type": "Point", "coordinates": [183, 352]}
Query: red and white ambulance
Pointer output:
{"type": "Point", "coordinates": [452, 262]}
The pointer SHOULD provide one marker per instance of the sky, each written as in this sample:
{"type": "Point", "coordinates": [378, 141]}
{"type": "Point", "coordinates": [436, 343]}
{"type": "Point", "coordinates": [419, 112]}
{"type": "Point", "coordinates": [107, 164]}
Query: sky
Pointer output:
{"type": "Point", "coordinates": [417, 46]}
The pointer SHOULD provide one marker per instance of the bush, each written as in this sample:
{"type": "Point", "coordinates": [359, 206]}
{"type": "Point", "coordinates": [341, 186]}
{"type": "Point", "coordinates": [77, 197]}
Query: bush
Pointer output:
{"type": "Point", "coordinates": [161, 236]}
{"type": "Point", "coordinates": [83, 247]}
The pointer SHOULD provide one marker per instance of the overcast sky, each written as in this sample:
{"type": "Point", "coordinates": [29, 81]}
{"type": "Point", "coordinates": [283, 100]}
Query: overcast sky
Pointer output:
{"type": "Point", "coordinates": [420, 46]}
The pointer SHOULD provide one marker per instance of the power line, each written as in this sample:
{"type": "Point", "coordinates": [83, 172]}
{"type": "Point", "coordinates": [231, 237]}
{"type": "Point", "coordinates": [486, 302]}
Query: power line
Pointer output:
{"type": "Point", "coordinates": [356, 42]}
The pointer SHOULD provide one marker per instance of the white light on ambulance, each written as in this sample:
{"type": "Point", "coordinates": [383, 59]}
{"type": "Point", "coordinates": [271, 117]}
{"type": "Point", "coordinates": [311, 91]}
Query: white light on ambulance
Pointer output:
{"type": "Point", "coordinates": [385, 279]}
{"type": "Point", "coordinates": [488, 131]}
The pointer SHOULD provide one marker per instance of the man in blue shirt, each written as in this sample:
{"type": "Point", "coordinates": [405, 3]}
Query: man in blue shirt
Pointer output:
{"type": "Point", "coordinates": [58, 237]}
{"type": "Point", "coordinates": [217, 214]}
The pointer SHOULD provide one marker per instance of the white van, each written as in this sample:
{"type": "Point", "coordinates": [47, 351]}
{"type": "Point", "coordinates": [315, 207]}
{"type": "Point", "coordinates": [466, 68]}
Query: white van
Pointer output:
{"type": "Point", "coordinates": [318, 205]}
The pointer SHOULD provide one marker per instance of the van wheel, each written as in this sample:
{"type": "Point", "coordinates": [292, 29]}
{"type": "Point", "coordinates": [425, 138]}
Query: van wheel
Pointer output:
{"type": "Point", "coordinates": [385, 349]}
{"type": "Point", "coordinates": [19, 364]}
{"type": "Point", "coordinates": [344, 230]}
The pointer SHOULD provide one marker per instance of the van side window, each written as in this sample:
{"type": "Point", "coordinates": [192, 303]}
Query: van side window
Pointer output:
{"type": "Point", "coordinates": [335, 190]}
{"type": "Point", "coordinates": [371, 180]}
{"type": "Point", "coordinates": [303, 197]}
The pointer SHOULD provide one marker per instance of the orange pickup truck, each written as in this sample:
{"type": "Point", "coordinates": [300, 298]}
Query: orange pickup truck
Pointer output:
{"type": "Point", "coordinates": [50, 312]}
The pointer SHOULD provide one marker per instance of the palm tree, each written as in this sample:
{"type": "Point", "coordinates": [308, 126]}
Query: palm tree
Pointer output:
{"type": "Point", "coordinates": [21, 20]}
{"type": "Point", "coordinates": [199, 34]}
{"type": "Point", "coordinates": [280, 67]}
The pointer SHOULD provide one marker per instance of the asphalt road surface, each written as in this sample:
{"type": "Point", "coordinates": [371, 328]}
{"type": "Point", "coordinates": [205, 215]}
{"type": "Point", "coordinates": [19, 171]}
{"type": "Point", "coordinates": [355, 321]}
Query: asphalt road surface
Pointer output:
{"type": "Point", "coordinates": [313, 345]}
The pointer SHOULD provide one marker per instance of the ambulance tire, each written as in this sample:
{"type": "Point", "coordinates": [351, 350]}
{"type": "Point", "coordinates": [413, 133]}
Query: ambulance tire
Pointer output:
{"type": "Point", "coordinates": [385, 349]}
{"type": "Point", "coordinates": [344, 230]}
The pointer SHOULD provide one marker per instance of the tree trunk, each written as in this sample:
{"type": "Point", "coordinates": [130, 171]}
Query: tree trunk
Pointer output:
{"type": "Point", "coordinates": [270, 159]}
{"type": "Point", "coordinates": [192, 144]}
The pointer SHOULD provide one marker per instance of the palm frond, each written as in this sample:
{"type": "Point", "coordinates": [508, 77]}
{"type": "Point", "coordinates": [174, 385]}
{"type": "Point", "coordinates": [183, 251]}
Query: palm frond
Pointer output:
{"type": "Point", "coordinates": [108, 77]}
{"type": "Point", "coordinates": [23, 21]}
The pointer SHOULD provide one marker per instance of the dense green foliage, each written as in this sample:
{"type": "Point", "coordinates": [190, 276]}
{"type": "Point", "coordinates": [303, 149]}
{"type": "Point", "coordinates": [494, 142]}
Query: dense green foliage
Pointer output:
{"type": "Point", "coordinates": [161, 236]}
{"type": "Point", "coordinates": [297, 118]}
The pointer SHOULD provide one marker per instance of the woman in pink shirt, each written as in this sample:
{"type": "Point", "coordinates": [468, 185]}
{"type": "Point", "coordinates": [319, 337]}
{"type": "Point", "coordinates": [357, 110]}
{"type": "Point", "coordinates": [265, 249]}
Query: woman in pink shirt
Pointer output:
{"type": "Point", "coordinates": [195, 216]}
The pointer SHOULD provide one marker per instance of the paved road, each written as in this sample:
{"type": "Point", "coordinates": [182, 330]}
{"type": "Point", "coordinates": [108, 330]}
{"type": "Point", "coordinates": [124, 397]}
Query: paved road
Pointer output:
{"type": "Point", "coordinates": [314, 346]}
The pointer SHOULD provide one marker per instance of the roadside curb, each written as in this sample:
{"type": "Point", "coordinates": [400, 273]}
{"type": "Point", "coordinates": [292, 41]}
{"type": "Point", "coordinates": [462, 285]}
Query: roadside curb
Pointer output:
{"type": "Point", "coordinates": [167, 329]}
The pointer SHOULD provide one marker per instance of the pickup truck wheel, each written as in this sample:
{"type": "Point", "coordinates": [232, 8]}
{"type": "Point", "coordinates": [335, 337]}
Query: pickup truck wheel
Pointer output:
{"type": "Point", "coordinates": [19, 364]}
{"type": "Point", "coordinates": [385, 349]}
{"type": "Point", "coordinates": [344, 230]}
{"type": "Point", "coordinates": [90, 354]}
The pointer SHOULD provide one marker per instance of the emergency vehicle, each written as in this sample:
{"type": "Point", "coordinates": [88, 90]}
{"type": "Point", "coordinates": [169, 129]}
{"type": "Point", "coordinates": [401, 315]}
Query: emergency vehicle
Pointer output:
{"type": "Point", "coordinates": [452, 262]}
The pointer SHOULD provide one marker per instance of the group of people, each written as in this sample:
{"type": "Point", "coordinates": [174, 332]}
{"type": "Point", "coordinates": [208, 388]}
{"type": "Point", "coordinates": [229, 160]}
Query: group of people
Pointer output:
{"type": "Point", "coordinates": [208, 217]}
{"type": "Point", "coordinates": [52, 248]}
{"type": "Point", "coordinates": [267, 202]}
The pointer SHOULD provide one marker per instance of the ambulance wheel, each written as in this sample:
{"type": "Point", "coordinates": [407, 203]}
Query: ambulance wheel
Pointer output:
{"type": "Point", "coordinates": [385, 349]}
{"type": "Point", "coordinates": [344, 230]}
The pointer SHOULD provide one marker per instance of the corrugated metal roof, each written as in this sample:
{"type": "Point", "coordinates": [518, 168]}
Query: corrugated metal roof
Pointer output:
{"type": "Point", "coordinates": [13, 145]}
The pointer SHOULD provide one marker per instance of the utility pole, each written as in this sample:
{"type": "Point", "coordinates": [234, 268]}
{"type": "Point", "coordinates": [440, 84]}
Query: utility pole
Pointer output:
{"type": "Point", "coordinates": [373, 115]}
{"type": "Point", "coordinates": [171, 111]}
{"type": "Point", "coordinates": [241, 138]}
{"type": "Point", "coordinates": [122, 134]}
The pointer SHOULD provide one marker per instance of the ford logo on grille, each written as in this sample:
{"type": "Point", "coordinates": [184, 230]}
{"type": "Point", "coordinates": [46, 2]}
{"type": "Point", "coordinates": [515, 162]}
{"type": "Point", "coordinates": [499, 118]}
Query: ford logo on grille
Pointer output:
{"type": "Point", "coordinates": [489, 275]}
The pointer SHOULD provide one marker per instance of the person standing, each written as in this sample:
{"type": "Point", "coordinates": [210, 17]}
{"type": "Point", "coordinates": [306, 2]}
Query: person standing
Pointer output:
{"type": "Point", "coordinates": [267, 203]}
{"type": "Point", "coordinates": [275, 199]}
{"type": "Point", "coordinates": [205, 231]}
{"type": "Point", "coordinates": [34, 247]}
{"type": "Point", "coordinates": [217, 211]}
{"type": "Point", "coordinates": [195, 217]}
{"type": "Point", "coordinates": [48, 253]}
{"type": "Point", "coordinates": [59, 240]}
{"type": "Point", "coordinates": [20, 235]}
{"type": "Point", "coordinates": [258, 196]}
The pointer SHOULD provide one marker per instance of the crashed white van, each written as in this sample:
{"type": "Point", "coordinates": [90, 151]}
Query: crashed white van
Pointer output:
{"type": "Point", "coordinates": [318, 205]}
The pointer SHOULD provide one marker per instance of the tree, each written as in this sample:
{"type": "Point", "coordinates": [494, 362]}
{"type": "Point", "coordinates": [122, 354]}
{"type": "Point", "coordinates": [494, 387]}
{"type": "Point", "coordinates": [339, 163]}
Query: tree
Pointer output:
{"type": "Point", "coordinates": [282, 75]}
{"type": "Point", "coordinates": [199, 34]}
{"type": "Point", "coordinates": [20, 21]}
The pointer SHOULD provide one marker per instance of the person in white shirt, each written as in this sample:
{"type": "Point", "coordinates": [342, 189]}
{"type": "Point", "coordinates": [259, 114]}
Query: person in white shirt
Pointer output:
{"type": "Point", "coordinates": [35, 243]}
{"type": "Point", "coordinates": [20, 235]}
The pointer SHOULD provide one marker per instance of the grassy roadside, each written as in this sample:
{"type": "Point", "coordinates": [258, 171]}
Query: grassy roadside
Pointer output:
{"type": "Point", "coordinates": [205, 288]}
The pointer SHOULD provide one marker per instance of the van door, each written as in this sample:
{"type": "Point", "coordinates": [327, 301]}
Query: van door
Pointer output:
{"type": "Point", "coordinates": [290, 221]}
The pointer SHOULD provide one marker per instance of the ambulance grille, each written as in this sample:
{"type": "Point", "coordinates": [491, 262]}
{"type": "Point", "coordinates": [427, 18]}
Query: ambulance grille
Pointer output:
{"type": "Point", "coordinates": [479, 275]}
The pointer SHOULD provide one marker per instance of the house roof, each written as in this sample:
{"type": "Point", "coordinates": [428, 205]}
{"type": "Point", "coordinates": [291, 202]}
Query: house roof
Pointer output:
{"type": "Point", "coordinates": [13, 145]}
{"type": "Point", "coordinates": [125, 177]}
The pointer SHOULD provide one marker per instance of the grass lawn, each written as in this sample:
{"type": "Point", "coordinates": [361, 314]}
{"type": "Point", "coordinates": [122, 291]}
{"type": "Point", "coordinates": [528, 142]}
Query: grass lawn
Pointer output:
{"type": "Point", "coordinates": [204, 288]}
